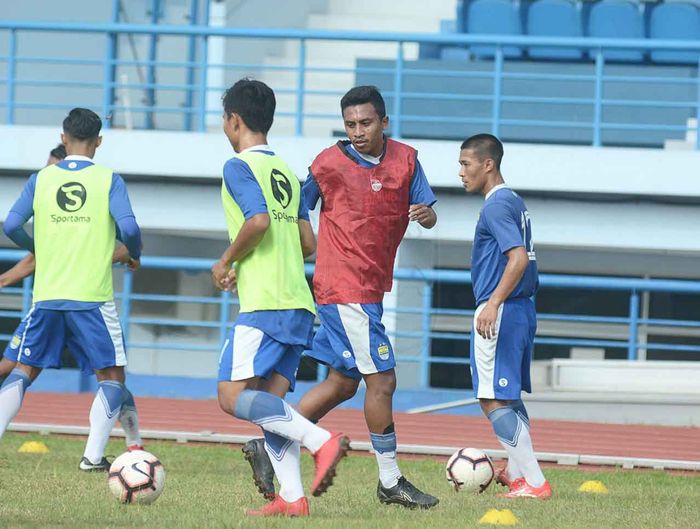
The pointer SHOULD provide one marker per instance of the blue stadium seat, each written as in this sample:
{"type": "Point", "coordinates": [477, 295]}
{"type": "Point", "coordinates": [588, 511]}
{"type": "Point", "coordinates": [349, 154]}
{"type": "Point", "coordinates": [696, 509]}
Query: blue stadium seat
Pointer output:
{"type": "Point", "coordinates": [494, 17]}
{"type": "Point", "coordinates": [554, 18]}
{"type": "Point", "coordinates": [617, 19]}
{"type": "Point", "coordinates": [432, 51]}
{"type": "Point", "coordinates": [675, 21]}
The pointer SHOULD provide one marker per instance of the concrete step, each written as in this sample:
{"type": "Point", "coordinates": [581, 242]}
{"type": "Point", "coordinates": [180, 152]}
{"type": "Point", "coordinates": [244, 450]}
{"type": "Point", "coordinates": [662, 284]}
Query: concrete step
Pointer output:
{"type": "Point", "coordinates": [372, 22]}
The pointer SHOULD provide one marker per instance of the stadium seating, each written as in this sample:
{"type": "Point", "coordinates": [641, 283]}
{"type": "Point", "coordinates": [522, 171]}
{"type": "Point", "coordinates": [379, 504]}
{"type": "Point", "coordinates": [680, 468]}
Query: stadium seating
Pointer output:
{"type": "Point", "coordinates": [554, 18]}
{"type": "Point", "coordinates": [617, 19]}
{"type": "Point", "coordinates": [675, 20]}
{"type": "Point", "coordinates": [494, 17]}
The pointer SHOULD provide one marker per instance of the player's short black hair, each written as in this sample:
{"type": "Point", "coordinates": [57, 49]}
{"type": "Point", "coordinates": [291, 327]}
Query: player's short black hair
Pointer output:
{"type": "Point", "coordinates": [82, 124]}
{"type": "Point", "coordinates": [364, 94]}
{"type": "Point", "coordinates": [59, 152]}
{"type": "Point", "coordinates": [253, 101]}
{"type": "Point", "coordinates": [485, 146]}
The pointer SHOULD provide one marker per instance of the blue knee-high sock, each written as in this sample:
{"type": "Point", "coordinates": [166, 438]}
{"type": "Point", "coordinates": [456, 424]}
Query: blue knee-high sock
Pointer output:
{"type": "Point", "coordinates": [11, 396]}
{"type": "Point", "coordinates": [273, 415]}
{"type": "Point", "coordinates": [103, 416]}
{"type": "Point", "coordinates": [514, 436]}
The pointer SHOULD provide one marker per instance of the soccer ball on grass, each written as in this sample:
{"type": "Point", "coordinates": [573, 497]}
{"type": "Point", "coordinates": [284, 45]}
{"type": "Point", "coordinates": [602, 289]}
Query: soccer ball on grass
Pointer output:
{"type": "Point", "coordinates": [136, 477]}
{"type": "Point", "coordinates": [470, 470]}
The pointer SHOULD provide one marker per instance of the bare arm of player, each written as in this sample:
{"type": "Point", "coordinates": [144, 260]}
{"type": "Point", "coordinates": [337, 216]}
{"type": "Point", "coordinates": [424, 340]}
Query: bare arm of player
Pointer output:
{"type": "Point", "coordinates": [513, 272]}
{"type": "Point", "coordinates": [423, 214]}
{"type": "Point", "coordinates": [121, 256]}
{"type": "Point", "coordinates": [22, 269]}
{"type": "Point", "coordinates": [308, 240]}
{"type": "Point", "coordinates": [249, 236]}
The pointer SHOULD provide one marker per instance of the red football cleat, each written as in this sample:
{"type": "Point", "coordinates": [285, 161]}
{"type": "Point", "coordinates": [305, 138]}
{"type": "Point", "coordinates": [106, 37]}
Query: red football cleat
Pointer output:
{"type": "Point", "coordinates": [525, 490]}
{"type": "Point", "coordinates": [134, 448]}
{"type": "Point", "coordinates": [326, 460]}
{"type": "Point", "coordinates": [279, 507]}
{"type": "Point", "coordinates": [502, 478]}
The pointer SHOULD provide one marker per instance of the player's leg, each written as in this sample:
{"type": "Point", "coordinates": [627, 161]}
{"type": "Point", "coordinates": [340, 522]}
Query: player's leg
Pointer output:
{"type": "Point", "coordinates": [40, 346]}
{"type": "Point", "coordinates": [12, 393]}
{"type": "Point", "coordinates": [6, 367]}
{"type": "Point", "coordinates": [327, 395]}
{"type": "Point", "coordinates": [498, 362]}
{"type": "Point", "coordinates": [368, 350]}
{"type": "Point", "coordinates": [9, 357]}
{"type": "Point", "coordinates": [95, 337]}
{"type": "Point", "coordinates": [249, 354]}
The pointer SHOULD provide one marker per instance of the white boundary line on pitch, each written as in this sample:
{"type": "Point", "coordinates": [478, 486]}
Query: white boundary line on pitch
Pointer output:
{"type": "Point", "coordinates": [433, 450]}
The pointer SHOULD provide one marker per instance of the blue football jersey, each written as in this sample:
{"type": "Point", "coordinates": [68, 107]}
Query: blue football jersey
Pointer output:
{"type": "Point", "coordinates": [504, 223]}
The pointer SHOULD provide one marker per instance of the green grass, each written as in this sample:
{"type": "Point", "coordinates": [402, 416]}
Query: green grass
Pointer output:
{"type": "Point", "coordinates": [210, 486]}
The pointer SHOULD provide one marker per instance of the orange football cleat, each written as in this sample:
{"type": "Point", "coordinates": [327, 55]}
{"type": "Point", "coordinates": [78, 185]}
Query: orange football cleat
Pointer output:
{"type": "Point", "coordinates": [327, 458]}
{"type": "Point", "coordinates": [525, 490]}
{"type": "Point", "coordinates": [279, 507]}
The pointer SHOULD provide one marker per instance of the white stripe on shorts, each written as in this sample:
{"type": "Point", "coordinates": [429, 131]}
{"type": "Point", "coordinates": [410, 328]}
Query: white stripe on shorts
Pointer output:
{"type": "Point", "coordinates": [485, 355]}
{"type": "Point", "coordinates": [246, 342]}
{"type": "Point", "coordinates": [28, 319]}
{"type": "Point", "coordinates": [356, 324]}
{"type": "Point", "coordinates": [114, 328]}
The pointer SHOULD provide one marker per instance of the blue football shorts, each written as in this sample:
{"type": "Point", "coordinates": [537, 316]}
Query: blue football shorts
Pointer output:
{"type": "Point", "coordinates": [248, 353]}
{"type": "Point", "coordinates": [93, 336]}
{"type": "Point", "coordinates": [500, 366]}
{"type": "Point", "coordinates": [352, 339]}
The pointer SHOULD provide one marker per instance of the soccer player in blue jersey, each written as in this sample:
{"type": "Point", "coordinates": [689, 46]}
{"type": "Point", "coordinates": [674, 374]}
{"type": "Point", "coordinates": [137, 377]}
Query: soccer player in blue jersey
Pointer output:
{"type": "Point", "coordinates": [504, 279]}
{"type": "Point", "coordinates": [270, 234]}
{"type": "Point", "coordinates": [75, 204]}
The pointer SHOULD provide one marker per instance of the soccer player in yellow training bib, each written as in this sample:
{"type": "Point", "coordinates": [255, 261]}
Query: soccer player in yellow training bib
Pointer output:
{"type": "Point", "coordinates": [77, 207]}
{"type": "Point", "coordinates": [270, 235]}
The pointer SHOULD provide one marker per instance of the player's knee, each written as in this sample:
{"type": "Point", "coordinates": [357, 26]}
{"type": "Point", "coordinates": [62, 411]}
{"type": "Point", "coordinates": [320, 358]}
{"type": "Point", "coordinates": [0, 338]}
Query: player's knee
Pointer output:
{"type": "Point", "coordinates": [344, 387]}
{"type": "Point", "coordinates": [381, 385]}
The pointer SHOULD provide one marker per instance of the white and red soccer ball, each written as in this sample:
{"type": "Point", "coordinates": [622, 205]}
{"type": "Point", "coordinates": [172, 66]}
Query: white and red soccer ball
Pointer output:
{"type": "Point", "coordinates": [136, 477]}
{"type": "Point", "coordinates": [469, 470]}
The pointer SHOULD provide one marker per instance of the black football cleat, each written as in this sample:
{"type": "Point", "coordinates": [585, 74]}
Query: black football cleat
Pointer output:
{"type": "Point", "coordinates": [263, 473]}
{"type": "Point", "coordinates": [406, 494]}
{"type": "Point", "coordinates": [88, 466]}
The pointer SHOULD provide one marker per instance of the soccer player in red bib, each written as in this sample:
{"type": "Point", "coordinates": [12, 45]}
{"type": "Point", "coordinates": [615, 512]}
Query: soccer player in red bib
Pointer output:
{"type": "Point", "coordinates": [370, 188]}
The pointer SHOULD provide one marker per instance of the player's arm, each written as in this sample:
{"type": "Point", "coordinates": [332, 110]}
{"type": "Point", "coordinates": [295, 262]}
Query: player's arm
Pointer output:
{"type": "Point", "coordinates": [505, 229]}
{"type": "Point", "coordinates": [306, 232]}
{"type": "Point", "coordinates": [22, 269]}
{"type": "Point", "coordinates": [127, 229]}
{"type": "Point", "coordinates": [422, 199]}
{"type": "Point", "coordinates": [243, 187]}
{"type": "Point", "coordinates": [19, 214]}
{"type": "Point", "coordinates": [251, 233]}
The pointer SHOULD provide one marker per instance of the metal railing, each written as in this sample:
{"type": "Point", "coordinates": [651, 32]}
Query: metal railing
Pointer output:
{"type": "Point", "coordinates": [422, 335]}
{"type": "Point", "coordinates": [193, 107]}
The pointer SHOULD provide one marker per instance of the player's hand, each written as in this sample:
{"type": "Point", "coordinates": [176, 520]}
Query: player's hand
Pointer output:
{"type": "Point", "coordinates": [133, 264]}
{"type": "Point", "coordinates": [121, 255]}
{"type": "Point", "coordinates": [221, 275]}
{"type": "Point", "coordinates": [420, 213]}
{"type": "Point", "coordinates": [486, 321]}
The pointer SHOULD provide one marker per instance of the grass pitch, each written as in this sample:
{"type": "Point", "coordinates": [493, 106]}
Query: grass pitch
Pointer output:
{"type": "Point", "coordinates": [210, 486]}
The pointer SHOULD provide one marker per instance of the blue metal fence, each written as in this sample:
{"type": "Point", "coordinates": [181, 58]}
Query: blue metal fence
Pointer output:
{"type": "Point", "coordinates": [194, 109]}
{"type": "Point", "coordinates": [422, 334]}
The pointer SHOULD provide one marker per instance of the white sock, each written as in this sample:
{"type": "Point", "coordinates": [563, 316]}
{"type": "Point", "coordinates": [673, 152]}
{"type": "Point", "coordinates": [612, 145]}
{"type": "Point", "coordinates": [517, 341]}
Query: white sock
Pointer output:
{"type": "Point", "coordinates": [285, 458]}
{"type": "Point", "coordinates": [11, 396]}
{"type": "Point", "coordinates": [514, 436]}
{"type": "Point", "coordinates": [129, 419]}
{"type": "Point", "coordinates": [513, 470]}
{"type": "Point", "coordinates": [274, 415]}
{"type": "Point", "coordinates": [103, 416]}
{"type": "Point", "coordinates": [384, 446]}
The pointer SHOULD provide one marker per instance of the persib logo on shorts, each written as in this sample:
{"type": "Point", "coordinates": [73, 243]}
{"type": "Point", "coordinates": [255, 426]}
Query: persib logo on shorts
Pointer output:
{"type": "Point", "coordinates": [14, 343]}
{"type": "Point", "coordinates": [383, 351]}
{"type": "Point", "coordinates": [71, 197]}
